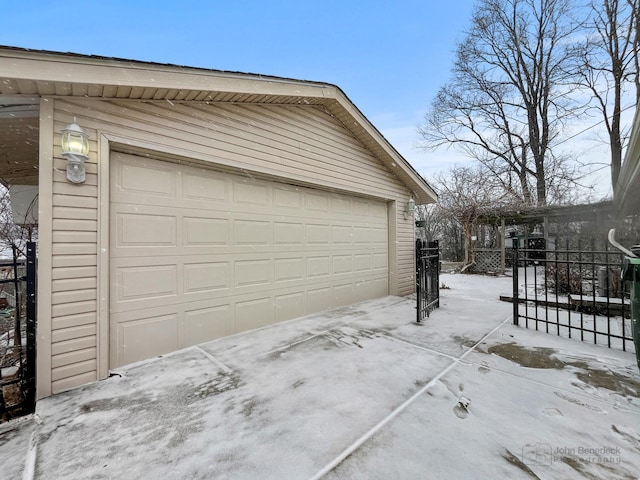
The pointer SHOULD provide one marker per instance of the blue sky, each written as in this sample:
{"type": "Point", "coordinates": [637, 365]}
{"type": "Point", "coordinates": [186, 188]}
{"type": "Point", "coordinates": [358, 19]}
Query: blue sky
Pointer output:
{"type": "Point", "coordinates": [389, 57]}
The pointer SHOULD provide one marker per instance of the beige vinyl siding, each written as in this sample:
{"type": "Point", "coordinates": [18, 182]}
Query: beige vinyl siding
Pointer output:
{"type": "Point", "coordinates": [405, 252]}
{"type": "Point", "coordinates": [74, 270]}
{"type": "Point", "coordinates": [305, 144]}
{"type": "Point", "coordinates": [205, 135]}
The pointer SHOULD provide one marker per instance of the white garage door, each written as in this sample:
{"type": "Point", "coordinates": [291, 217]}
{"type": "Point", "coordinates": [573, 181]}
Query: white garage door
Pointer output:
{"type": "Point", "coordinates": [197, 254]}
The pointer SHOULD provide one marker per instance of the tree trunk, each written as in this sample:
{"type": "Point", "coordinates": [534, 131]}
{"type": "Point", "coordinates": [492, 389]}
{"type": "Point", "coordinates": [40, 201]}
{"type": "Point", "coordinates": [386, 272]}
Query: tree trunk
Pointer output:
{"type": "Point", "coordinates": [468, 230]}
{"type": "Point", "coordinates": [541, 184]}
{"type": "Point", "coordinates": [615, 135]}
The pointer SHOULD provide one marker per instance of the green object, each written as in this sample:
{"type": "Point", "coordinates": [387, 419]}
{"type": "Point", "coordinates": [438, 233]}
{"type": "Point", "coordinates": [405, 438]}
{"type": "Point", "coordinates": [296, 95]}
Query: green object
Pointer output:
{"type": "Point", "coordinates": [631, 273]}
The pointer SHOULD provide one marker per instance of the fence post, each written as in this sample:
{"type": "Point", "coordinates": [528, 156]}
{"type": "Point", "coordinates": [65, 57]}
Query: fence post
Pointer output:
{"type": "Point", "coordinates": [418, 279]}
{"type": "Point", "coordinates": [435, 274]}
{"type": "Point", "coordinates": [503, 245]}
{"type": "Point", "coordinates": [515, 262]}
{"type": "Point", "coordinates": [17, 335]}
{"type": "Point", "coordinates": [30, 373]}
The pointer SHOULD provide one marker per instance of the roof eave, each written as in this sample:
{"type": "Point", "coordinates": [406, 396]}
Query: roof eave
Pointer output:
{"type": "Point", "coordinates": [43, 68]}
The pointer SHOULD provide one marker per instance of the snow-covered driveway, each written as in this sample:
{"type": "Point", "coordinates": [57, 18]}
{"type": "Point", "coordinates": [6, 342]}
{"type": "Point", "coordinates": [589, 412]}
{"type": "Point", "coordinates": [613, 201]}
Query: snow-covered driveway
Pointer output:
{"type": "Point", "coordinates": [357, 392]}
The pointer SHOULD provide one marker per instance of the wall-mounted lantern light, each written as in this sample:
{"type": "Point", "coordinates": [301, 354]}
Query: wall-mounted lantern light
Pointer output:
{"type": "Point", "coordinates": [410, 208]}
{"type": "Point", "coordinates": [75, 148]}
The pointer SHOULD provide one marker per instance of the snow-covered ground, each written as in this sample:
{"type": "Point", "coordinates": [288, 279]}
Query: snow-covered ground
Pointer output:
{"type": "Point", "coordinates": [357, 392]}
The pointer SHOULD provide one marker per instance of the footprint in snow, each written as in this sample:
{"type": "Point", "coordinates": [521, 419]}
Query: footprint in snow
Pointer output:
{"type": "Point", "coordinates": [462, 407]}
{"type": "Point", "coordinates": [553, 412]}
{"type": "Point", "coordinates": [581, 403]}
{"type": "Point", "coordinates": [484, 368]}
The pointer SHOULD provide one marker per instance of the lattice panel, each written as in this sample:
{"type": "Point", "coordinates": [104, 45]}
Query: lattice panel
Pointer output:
{"type": "Point", "coordinates": [487, 261]}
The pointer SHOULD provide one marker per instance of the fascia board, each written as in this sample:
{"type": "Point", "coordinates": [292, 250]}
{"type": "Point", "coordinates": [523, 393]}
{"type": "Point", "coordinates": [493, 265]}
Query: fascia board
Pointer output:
{"type": "Point", "coordinates": [60, 68]}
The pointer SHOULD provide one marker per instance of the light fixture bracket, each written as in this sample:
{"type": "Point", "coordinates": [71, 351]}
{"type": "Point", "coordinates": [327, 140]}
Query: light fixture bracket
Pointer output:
{"type": "Point", "coordinates": [76, 171]}
{"type": "Point", "coordinates": [409, 209]}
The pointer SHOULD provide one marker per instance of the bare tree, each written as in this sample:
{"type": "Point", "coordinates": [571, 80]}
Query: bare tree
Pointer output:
{"type": "Point", "coordinates": [510, 94]}
{"type": "Point", "coordinates": [429, 225]}
{"type": "Point", "coordinates": [467, 193]}
{"type": "Point", "coordinates": [10, 233]}
{"type": "Point", "coordinates": [434, 223]}
{"type": "Point", "coordinates": [607, 66]}
{"type": "Point", "coordinates": [12, 237]}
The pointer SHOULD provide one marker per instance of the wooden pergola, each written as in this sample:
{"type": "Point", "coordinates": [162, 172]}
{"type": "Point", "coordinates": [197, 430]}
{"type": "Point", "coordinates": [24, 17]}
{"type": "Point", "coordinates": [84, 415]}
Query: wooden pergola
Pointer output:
{"type": "Point", "coordinates": [602, 214]}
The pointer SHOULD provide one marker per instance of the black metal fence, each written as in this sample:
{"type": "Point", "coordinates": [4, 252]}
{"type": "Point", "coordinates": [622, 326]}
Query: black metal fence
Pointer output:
{"type": "Point", "coordinates": [572, 291]}
{"type": "Point", "coordinates": [18, 333]}
{"type": "Point", "coordinates": [427, 278]}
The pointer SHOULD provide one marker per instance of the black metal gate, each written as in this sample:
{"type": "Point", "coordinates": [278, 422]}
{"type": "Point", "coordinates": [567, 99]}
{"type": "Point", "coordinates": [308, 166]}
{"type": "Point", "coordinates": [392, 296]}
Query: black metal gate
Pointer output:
{"type": "Point", "coordinates": [18, 333]}
{"type": "Point", "coordinates": [427, 278]}
{"type": "Point", "coordinates": [572, 291]}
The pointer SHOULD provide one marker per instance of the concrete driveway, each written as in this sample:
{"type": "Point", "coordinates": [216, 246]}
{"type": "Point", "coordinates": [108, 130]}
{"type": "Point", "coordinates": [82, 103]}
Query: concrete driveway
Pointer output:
{"type": "Point", "coordinates": [357, 392]}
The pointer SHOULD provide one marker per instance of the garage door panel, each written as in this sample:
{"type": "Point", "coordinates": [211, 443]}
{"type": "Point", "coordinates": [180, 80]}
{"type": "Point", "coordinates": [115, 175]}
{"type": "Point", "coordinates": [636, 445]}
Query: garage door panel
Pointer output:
{"type": "Point", "coordinates": [287, 197]}
{"type": "Point", "coordinates": [289, 306]}
{"type": "Point", "coordinates": [318, 234]}
{"type": "Point", "coordinates": [200, 254]}
{"type": "Point", "coordinates": [206, 232]}
{"type": "Point", "coordinates": [362, 262]}
{"type": "Point", "coordinates": [362, 235]}
{"type": "Point", "coordinates": [379, 237]}
{"type": "Point", "coordinates": [146, 282]}
{"type": "Point", "coordinates": [341, 234]}
{"type": "Point", "coordinates": [316, 202]}
{"type": "Point", "coordinates": [147, 337]}
{"type": "Point", "coordinates": [252, 314]}
{"type": "Point", "coordinates": [252, 232]}
{"type": "Point", "coordinates": [133, 230]}
{"type": "Point", "coordinates": [362, 288]}
{"type": "Point", "coordinates": [143, 287]}
{"type": "Point", "coordinates": [340, 204]}
{"type": "Point", "coordinates": [159, 181]}
{"type": "Point", "coordinates": [288, 234]}
{"type": "Point", "coordinates": [319, 266]}
{"type": "Point", "coordinates": [151, 286]}
{"type": "Point", "coordinates": [249, 193]}
{"type": "Point", "coordinates": [342, 294]}
{"type": "Point", "coordinates": [342, 264]}
{"type": "Point", "coordinates": [204, 188]}
{"type": "Point", "coordinates": [378, 210]}
{"type": "Point", "coordinates": [289, 269]}
{"type": "Point", "coordinates": [206, 324]}
{"type": "Point", "coordinates": [252, 273]}
{"type": "Point", "coordinates": [203, 323]}
{"type": "Point", "coordinates": [379, 261]}
{"type": "Point", "coordinates": [380, 286]}
{"type": "Point", "coordinates": [201, 298]}
{"type": "Point", "coordinates": [318, 299]}
{"type": "Point", "coordinates": [207, 277]}
{"type": "Point", "coordinates": [361, 208]}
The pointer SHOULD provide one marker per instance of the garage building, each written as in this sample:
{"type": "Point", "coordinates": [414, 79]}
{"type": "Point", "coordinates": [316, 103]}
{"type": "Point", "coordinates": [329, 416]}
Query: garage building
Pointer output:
{"type": "Point", "coordinates": [213, 203]}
